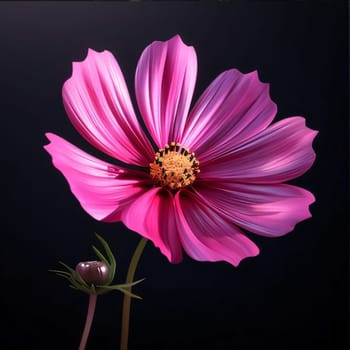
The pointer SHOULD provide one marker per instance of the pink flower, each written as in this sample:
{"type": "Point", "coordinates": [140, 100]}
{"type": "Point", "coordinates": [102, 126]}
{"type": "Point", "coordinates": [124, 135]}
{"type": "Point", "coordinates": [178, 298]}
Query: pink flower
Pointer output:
{"type": "Point", "coordinates": [171, 196]}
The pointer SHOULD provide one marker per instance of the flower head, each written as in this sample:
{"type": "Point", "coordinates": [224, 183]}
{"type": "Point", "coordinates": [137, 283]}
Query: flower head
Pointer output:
{"type": "Point", "coordinates": [207, 173]}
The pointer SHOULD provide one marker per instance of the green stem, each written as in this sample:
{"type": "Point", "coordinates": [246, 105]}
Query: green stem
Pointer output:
{"type": "Point", "coordinates": [127, 299]}
{"type": "Point", "coordinates": [88, 322]}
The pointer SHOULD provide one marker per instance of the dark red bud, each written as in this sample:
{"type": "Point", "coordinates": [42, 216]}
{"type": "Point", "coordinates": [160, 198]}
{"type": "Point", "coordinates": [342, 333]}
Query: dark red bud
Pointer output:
{"type": "Point", "coordinates": [95, 272]}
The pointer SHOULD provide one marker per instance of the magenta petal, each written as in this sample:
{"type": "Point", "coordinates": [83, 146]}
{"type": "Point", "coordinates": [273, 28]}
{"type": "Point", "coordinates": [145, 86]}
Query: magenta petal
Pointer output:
{"type": "Point", "coordinates": [152, 215]}
{"type": "Point", "coordinates": [97, 102]}
{"type": "Point", "coordinates": [206, 235]}
{"type": "Point", "coordinates": [233, 108]}
{"type": "Point", "coordinates": [101, 188]}
{"type": "Point", "coordinates": [164, 82]}
{"type": "Point", "coordinates": [268, 210]}
{"type": "Point", "coordinates": [280, 153]}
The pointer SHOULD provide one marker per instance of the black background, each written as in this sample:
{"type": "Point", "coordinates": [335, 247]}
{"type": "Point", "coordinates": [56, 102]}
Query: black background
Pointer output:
{"type": "Point", "coordinates": [293, 295]}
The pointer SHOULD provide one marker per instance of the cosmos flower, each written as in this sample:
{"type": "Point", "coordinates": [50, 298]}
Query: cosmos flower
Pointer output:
{"type": "Point", "coordinates": [199, 177]}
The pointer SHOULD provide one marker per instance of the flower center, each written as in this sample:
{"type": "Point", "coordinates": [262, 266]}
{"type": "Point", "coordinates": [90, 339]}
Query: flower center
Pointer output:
{"type": "Point", "coordinates": [174, 167]}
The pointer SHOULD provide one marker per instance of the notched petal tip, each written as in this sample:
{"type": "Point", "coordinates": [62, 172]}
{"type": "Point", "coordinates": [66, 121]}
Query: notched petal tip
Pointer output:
{"type": "Point", "coordinates": [91, 51]}
{"type": "Point", "coordinates": [50, 136]}
{"type": "Point", "coordinates": [313, 133]}
{"type": "Point", "coordinates": [254, 75]}
{"type": "Point", "coordinates": [303, 120]}
{"type": "Point", "coordinates": [176, 39]}
{"type": "Point", "coordinates": [266, 85]}
{"type": "Point", "coordinates": [310, 133]}
{"type": "Point", "coordinates": [311, 199]}
{"type": "Point", "coordinates": [90, 55]}
{"type": "Point", "coordinates": [255, 251]}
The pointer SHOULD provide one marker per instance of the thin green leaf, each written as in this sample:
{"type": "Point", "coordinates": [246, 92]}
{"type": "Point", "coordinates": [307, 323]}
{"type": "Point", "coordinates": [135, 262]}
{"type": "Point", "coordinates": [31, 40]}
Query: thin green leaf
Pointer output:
{"type": "Point", "coordinates": [100, 255]}
{"type": "Point", "coordinates": [79, 279]}
{"type": "Point", "coordinates": [61, 272]}
{"type": "Point", "coordinates": [110, 256]}
{"type": "Point", "coordinates": [74, 283]}
{"type": "Point", "coordinates": [125, 291]}
{"type": "Point", "coordinates": [105, 246]}
{"type": "Point", "coordinates": [64, 276]}
{"type": "Point", "coordinates": [79, 286]}
{"type": "Point", "coordinates": [127, 285]}
{"type": "Point", "coordinates": [107, 249]}
{"type": "Point", "coordinates": [132, 295]}
{"type": "Point", "coordinates": [66, 266]}
{"type": "Point", "coordinates": [75, 276]}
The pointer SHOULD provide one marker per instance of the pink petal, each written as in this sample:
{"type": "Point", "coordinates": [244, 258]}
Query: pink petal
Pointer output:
{"type": "Point", "coordinates": [165, 79]}
{"type": "Point", "coordinates": [101, 188]}
{"type": "Point", "coordinates": [97, 102]}
{"type": "Point", "coordinates": [233, 108]}
{"type": "Point", "coordinates": [268, 210]}
{"type": "Point", "coordinates": [152, 215]}
{"type": "Point", "coordinates": [280, 153]}
{"type": "Point", "coordinates": [206, 235]}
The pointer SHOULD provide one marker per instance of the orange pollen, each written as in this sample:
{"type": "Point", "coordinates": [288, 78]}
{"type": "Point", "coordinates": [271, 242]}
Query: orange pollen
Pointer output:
{"type": "Point", "coordinates": [174, 167]}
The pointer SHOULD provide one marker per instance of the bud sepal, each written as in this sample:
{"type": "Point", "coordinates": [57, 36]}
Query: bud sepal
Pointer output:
{"type": "Point", "coordinates": [95, 277]}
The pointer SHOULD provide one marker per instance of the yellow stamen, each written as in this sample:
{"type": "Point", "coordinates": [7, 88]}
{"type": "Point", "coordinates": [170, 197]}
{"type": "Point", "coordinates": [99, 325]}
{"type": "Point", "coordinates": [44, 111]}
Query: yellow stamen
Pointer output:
{"type": "Point", "coordinates": [174, 167]}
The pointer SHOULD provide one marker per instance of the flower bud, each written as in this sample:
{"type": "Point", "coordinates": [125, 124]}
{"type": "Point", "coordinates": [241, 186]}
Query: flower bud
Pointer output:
{"type": "Point", "coordinates": [93, 272]}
